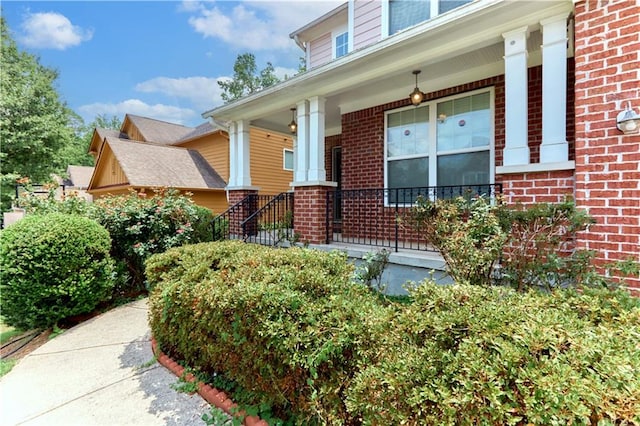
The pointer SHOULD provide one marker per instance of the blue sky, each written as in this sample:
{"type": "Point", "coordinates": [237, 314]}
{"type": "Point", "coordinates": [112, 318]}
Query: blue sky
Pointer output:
{"type": "Point", "coordinates": [158, 59]}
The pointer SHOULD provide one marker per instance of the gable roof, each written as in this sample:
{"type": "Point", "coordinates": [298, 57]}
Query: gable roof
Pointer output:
{"type": "Point", "coordinates": [115, 133]}
{"type": "Point", "coordinates": [79, 176]}
{"type": "Point", "coordinates": [151, 165]}
{"type": "Point", "coordinates": [201, 130]}
{"type": "Point", "coordinates": [158, 131]}
{"type": "Point", "coordinates": [98, 137]}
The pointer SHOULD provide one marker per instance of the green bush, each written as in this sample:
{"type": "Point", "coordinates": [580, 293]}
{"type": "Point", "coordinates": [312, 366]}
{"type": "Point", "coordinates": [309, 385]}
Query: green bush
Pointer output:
{"type": "Point", "coordinates": [466, 232]}
{"type": "Point", "coordinates": [288, 330]}
{"type": "Point", "coordinates": [51, 267]}
{"type": "Point", "coordinates": [202, 226]}
{"type": "Point", "coordinates": [141, 225]}
{"type": "Point", "coordinates": [43, 203]}
{"type": "Point", "coordinates": [286, 325]}
{"type": "Point", "coordinates": [469, 355]}
{"type": "Point", "coordinates": [540, 252]}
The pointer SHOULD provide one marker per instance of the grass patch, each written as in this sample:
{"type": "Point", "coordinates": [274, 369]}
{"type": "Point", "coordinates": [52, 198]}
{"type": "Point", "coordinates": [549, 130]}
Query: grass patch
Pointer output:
{"type": "Point", "coordinates": [6, 365]}
{"type": "Point", "coordinates": [8, 333]}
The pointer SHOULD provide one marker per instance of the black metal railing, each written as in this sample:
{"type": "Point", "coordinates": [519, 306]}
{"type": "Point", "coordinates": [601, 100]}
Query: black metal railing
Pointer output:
{"type": "Point", "coordinates": [39, 189]}
{"type": "Point", "coordinates": [377, 217]}
{"type": "Point", "coordinates": [228, 225]}
{"type": "Point", "coordinates": [272, 223]}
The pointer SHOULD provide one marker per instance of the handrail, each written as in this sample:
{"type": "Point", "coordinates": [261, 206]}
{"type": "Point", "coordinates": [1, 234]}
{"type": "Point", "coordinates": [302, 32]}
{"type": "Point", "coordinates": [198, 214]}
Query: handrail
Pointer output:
{"type": "Point", "coordinates": [271, 223]}
{"type": "Point", "coordinates": [229, 224]}
{"type": "Point", "coordinates": [220, 229]}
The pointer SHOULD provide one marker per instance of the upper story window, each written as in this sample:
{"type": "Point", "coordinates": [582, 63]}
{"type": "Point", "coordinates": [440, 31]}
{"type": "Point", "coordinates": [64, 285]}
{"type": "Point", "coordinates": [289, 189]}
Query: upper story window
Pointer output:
{"type": "Point", "coordinates": [407, 13]}
{"type": "Point", "coordinates": [341, 44]}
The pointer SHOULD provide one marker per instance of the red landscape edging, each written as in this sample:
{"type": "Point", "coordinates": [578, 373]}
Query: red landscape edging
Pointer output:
{"type": "Point", "coordinates": [210, 394]}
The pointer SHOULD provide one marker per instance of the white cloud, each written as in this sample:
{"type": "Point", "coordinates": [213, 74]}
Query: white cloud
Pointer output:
{"type": "Point", "coordinates": [162, 112]}
{"type": "Point", "coordinates": [203, 92]}
{"type": "Point", "coordinates": [52, 30]}
{"type": "Point", "coordinates": [282, 72]}
{"type": "Point", "coordinates": [257, 25]}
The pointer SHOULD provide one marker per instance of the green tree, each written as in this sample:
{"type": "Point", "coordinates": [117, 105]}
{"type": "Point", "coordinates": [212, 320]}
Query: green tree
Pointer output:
{"type": "Point", "coordinates": [77, 152]}
{"type": "Point", "coordinates": [35, 124]}
{"type": "Point", "coordinates": [246, 78]}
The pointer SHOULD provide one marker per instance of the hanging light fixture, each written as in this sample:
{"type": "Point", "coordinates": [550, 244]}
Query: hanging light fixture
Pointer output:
{"type": "Point", "coordinates": [293, 126]}
{"type": "Point", "coordinates": [416, 96]}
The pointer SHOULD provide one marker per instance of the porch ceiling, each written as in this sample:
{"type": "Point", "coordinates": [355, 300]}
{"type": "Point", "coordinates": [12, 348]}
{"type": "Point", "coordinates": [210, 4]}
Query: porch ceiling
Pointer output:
{"type": "Point", "coordinates": [452, 49]}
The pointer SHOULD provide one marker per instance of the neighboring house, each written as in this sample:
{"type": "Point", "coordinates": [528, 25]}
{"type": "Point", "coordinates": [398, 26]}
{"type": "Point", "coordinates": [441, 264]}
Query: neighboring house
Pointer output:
{"type": "Point", "coordinates": [521, 97]}
{"type": "Point", "coordinates": [77, 180]}
{"type": "Point", "coordinates": [76, 183]}
{"type": "Point", "coordinates": [147, 153]}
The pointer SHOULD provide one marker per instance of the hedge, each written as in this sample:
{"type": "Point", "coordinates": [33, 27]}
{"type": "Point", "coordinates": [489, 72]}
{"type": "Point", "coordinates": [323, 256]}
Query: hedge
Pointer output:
{"type": "Point", "coordinates": [295, 333]}
{"type": "Point", "coordinates": [52, 267]}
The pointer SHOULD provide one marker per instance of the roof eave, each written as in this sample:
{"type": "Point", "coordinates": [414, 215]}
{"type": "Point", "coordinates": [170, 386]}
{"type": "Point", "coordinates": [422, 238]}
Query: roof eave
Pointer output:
{"type": "Point", "coordinates": [329, 78]}
{"type": "Point", "coordinates": [319, 20]}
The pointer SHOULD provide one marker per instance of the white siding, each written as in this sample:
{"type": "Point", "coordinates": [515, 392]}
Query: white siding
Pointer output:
{"type": "Point", "coordinates": [320, 50]}
{"type": "Point", "coordinates": [367, 23]}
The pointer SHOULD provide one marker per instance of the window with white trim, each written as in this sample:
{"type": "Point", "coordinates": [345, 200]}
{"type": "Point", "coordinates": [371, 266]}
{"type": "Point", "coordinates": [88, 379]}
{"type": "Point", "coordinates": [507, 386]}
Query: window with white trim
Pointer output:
{"type": "Point", "coordinates": [407, 13]}
{"type": "Point", "coordinates": [445, 142]}
{"type": "Point", "coordinates": [287, 159]}
{"type": "Point", "coordinates": [341, 43]}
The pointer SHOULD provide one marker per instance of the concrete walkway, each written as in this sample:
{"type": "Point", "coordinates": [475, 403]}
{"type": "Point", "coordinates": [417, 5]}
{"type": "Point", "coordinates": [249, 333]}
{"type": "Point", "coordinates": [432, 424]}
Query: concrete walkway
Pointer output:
{"type": "Point", "coordinates": [101, 372]}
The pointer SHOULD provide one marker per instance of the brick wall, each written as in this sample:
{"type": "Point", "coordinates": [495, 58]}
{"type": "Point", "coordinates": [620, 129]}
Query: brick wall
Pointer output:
{"type": "Point", "coordinates": [607, 66]}
{"type": "Point", "coordinates": [538, 187]}
{"type": "Point", "coordinates": [242, 213]}
{"type": "Point", "coordinates": [363, 131]}
{"type": "Point", "coordinates": [310, 213]}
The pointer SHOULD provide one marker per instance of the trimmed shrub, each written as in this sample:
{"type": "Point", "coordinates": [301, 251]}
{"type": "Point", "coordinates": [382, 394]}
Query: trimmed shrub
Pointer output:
{"type": "Point", "coordinates": [469, 355]}
{"type": "Point", "coordinates": [51, 267]}
{"type": "Point", "coordinates": [466, 232]}
{"type": "Point", "coordinates": [141, 225]}
{"type": "Point", "coordinates": [286, 325]}
{"type": "Point", "coordinates": [291, 332]}
{"type": "Point", "coordinates": [541, 248]}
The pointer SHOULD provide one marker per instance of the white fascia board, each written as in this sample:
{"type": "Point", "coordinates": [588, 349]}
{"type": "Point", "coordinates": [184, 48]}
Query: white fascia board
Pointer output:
{"type": "Point", "coordinates": [373, 61]}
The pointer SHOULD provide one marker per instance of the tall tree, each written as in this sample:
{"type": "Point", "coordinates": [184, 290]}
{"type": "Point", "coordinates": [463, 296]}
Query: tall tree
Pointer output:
{"type": "Point", "coordinates": [35, 125]}
{"type": "Point", "coordinates": [246, 78]}
{"type": "Point", "coordinates": [76, 152]}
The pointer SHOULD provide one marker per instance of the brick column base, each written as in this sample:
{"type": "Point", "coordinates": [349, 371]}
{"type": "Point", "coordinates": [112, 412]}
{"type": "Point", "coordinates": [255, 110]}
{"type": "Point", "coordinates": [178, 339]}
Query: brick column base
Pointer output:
{"type": "Point", "coordinates": [310, 207]}
{"type": "Point", "coordinates": [244, 211]}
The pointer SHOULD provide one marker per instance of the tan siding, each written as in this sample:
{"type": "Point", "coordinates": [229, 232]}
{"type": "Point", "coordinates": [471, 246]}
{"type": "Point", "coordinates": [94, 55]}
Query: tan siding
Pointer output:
{"type": "Point", "coordinates": [267, 171]}
{"type": "Point", "coordinates": [132, 131]}
{"type": "Point", "coordinates": [215, 150]}
{"type": "Point", "coordinates": [320, 50]}
{"type": "Point", "coordinates": [108, 171]}
{"type": "Point", "coordinates": [367, 23]}
{"type": "Point", "coordinates": [105, 192]}
{"type": "Point", "coordinates": [216, 201]}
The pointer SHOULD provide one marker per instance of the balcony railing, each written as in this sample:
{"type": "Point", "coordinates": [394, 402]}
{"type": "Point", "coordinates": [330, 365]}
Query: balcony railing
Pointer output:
{"type": "Point", "coordinates": [378, 217]}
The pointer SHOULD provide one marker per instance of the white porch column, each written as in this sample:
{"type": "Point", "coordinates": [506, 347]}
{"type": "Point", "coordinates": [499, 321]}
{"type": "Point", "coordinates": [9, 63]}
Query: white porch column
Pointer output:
{"type": "Point", "coordinates": [555, 147]}
{"type": "Point", "coordinates": [317, 172]}
{"type": "Point", "coordinates": [243, 160]}
{"type": "Point", "coordinates": [516, 150]}
{"type": "Point", "coordinates": [233, 154]}
{"type": "Point", "coordinates": [301, 154]}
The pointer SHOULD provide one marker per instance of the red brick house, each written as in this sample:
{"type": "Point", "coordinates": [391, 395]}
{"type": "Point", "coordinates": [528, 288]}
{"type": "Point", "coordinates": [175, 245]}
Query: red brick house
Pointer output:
{"type": "Point", "coordinates": [516, 96]}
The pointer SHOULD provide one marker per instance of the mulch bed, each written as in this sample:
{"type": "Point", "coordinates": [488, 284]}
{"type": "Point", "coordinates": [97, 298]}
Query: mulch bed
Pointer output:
{"type": "Point", "coordinates": [22, 345]}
